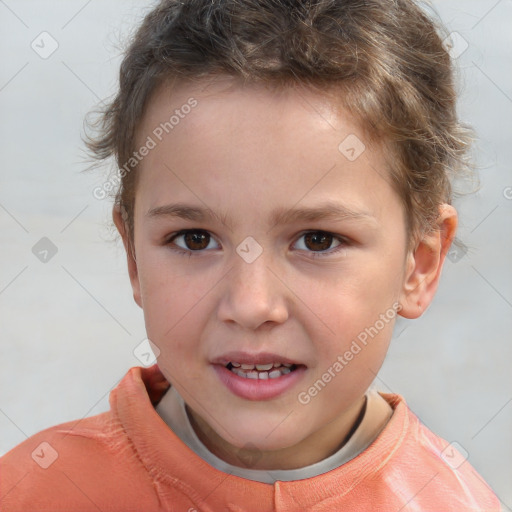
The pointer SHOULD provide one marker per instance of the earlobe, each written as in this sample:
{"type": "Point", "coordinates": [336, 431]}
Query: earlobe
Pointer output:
{"type": "Point", "coordinates": [425, 263]}
{"type": "Point", "coordinates": [121, 225]}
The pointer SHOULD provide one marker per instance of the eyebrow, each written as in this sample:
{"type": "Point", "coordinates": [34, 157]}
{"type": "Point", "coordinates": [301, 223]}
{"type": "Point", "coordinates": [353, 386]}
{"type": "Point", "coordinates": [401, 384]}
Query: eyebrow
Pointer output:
{"type": "Point", "coordinates": [326, 211]}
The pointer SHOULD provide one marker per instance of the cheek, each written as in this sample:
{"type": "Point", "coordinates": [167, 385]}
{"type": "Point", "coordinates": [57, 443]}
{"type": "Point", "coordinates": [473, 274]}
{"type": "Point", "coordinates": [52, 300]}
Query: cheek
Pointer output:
{"type": "Point", "coordinates": [163, 287]}
{"type": "Point", "coordinates": [349, 363]}
{"type": "Point", "coordinates": [353, 313]}
{"type": "Point", "coordinates": [175, 306]}
{"type": "Point", "coordinates": [166, 297]}
{"type": "Point", "coordinates": [354, 295]}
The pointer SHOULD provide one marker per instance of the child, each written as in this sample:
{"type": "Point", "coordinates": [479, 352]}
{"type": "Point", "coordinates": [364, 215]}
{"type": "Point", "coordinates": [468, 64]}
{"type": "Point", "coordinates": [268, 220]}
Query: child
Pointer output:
{"type": "Point", "coordinates": [248, 134]}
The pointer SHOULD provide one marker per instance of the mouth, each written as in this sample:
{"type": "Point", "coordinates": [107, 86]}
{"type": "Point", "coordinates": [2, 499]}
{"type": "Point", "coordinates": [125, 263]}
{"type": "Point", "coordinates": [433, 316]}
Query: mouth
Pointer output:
{"type": "Point", "coordinates": [261, 371]}
{"type": "Point", "coordinates": [261, 376]}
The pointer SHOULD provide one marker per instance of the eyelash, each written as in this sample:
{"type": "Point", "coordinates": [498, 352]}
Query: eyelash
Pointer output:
{"type": "Point", "coordinates": [318, 254]}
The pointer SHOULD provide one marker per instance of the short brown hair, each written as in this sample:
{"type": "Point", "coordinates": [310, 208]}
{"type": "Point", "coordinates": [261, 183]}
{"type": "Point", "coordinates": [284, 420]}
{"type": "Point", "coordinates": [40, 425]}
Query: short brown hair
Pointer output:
{"type": "Point", "coordinates": [384, 60]}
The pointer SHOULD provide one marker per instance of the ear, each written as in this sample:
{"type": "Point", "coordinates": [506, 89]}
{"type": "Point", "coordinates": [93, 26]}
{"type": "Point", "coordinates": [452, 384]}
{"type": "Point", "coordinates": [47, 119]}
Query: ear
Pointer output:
{"type": "Point", "coordinates": [424, 264]}
{"type": "Point", "coordinates": [120, 222]}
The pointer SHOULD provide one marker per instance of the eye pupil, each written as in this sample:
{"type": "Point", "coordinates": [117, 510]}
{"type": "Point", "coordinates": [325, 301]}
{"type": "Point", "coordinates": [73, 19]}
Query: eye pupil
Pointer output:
{"type": "Point", "coordinates": [196, 237]}
{"type": "Point", "coordinates": [315, 241]}
{"type": "Point", "coordinates": [323, 239]}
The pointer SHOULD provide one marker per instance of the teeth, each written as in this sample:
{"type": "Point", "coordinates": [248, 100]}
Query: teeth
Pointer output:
{"type": "Point", "coordinates": [264, 366]}
{"type": "Point", "coordinates": [261, 367]}
{"type": "Point", "coordinates": [261, 375]}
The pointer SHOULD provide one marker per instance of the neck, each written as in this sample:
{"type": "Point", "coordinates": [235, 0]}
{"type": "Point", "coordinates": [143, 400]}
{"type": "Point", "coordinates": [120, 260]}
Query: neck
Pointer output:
{"type": "Point", "coordinates": [316, 447]}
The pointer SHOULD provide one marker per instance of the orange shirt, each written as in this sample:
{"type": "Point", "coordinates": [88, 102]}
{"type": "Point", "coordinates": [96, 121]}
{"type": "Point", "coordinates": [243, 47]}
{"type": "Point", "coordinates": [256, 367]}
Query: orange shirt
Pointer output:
{"type": "Point", "coordinates": [128, 459]}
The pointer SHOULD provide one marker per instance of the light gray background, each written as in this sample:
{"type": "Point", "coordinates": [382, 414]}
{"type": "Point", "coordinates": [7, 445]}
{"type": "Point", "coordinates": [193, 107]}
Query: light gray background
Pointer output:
{"type": "Point", "coordinates": [69, 326]}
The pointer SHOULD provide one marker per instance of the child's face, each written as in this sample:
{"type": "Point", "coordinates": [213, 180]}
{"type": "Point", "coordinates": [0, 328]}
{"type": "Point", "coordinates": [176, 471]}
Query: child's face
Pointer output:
{"type": "Point", "coordinates": [246, 154]}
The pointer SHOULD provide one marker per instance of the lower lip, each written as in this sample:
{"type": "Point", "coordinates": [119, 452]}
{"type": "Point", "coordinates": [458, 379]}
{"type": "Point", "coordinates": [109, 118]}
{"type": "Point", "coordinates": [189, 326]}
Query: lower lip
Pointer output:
{"type": "Point", "coordinates": [258, 389]}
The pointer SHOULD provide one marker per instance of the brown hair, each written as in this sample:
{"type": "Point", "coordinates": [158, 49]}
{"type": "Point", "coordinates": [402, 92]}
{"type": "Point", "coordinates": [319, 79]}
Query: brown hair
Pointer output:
{"type": "Point", "coordinates": [384, 60]}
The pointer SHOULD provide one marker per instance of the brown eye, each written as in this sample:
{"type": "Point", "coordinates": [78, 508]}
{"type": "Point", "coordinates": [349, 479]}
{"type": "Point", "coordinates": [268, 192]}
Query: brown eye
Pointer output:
{"type": "Point", "coordinates": [318, 241]}
{"type": "Point", "coordinates": [319, 244]}
{"type": "Point", "coordinates": [189, 241]}
{"type": "Point", "coordinates": [196, 240]}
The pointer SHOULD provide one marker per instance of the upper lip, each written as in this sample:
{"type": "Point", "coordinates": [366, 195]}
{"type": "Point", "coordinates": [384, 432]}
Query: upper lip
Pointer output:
{"type": "Point", "coordinates": [252, 358]}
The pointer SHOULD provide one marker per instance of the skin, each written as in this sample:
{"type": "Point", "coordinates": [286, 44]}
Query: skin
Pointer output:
{"type": "Point", "coordinates": [244, 151]}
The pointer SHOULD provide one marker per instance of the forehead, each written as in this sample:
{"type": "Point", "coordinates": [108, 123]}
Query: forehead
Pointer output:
{"type": "Point", "coordinates": [238, 142]}
{"type": "Point", "coordinates": [221, 96]}
{"type": "Point", "coordinates": [223, 100]}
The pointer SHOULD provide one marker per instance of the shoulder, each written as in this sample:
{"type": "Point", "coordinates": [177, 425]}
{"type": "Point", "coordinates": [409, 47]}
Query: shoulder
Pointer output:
{"type": "Point", "coordinates": [429, 471]}
{"type": "Point", "coordinates": [72, 465]}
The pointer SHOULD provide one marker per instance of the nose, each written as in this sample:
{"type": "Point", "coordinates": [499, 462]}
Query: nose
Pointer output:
{"type": "Point", "coordinates": [253, 295]}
